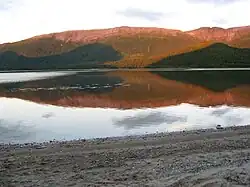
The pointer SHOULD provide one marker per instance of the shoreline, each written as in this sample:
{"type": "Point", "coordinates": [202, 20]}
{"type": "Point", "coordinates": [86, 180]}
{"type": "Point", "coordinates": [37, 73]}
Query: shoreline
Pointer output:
{"type": "Point", "coordinates": [184, 158]}
{"type": "Point", "coordinates": [135, 137]}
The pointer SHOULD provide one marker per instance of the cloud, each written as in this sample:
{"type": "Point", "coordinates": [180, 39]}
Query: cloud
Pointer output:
{"type": "Point", "coordinates": [5, 5]}
{"type": "Point", "coordinates": [10, 5]}
{"type": "Point", "coordinates": [220, 21]}
{"type": "Point", "coordinates": [138, 13]}
{"type": "Point", "coordinates": [218, 2]}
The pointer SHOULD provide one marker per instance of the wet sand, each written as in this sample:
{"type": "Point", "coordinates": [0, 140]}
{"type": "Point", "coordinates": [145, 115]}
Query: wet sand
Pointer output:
{"type": "Point", "coordinates": [194, 158]}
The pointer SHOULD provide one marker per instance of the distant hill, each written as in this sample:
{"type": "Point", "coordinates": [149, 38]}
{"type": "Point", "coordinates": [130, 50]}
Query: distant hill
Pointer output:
{"type": "Point", "coordinates": [81, 57]}
{"type": "Point", "coordinates": [130, 47]}
{"type": "Point", "coordinates": [217, 55]}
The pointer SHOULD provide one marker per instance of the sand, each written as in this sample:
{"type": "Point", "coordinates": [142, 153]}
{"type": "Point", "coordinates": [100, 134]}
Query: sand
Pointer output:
{"type": "Point", "coordinates": [200, 158]}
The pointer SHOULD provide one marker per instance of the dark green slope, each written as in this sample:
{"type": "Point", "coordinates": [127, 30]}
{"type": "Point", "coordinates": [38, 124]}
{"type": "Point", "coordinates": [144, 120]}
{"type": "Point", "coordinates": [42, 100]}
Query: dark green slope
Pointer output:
{"type": "Point", "coordinates": [217, 55]}
{"type": "Point", "coordinates": [87, 56]}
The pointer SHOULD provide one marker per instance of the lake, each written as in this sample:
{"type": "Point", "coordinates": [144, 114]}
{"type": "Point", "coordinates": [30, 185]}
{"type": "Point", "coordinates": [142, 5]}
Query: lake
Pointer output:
{"type": "Point", "coordinates": [66, 105]}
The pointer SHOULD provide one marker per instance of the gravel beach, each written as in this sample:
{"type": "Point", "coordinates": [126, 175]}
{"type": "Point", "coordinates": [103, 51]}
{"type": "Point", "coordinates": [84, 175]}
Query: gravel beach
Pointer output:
{"type": "Point", "coordinates": [200, 158]}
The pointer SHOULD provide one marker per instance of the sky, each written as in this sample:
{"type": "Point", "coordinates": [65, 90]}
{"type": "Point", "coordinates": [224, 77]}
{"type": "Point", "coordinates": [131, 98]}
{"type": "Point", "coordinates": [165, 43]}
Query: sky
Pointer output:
{"type": "Point", "coordinates": [21, 19]}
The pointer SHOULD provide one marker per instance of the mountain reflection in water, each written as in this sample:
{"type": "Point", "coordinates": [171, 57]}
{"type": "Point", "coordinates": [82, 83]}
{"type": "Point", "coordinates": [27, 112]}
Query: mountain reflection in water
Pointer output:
{"type": "Point", "coordinates": [130, 89]}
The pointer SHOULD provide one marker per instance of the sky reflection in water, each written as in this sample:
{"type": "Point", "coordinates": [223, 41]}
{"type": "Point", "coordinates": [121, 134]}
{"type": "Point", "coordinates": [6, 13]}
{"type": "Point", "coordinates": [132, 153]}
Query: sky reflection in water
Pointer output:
{"type": "Point", "coordinates": [116, 104]}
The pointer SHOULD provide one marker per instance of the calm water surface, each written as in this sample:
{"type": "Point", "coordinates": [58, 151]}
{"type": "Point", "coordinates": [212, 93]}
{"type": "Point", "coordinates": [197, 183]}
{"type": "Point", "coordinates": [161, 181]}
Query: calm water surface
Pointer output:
{"type": "Point", "coordinates": [72, 104]}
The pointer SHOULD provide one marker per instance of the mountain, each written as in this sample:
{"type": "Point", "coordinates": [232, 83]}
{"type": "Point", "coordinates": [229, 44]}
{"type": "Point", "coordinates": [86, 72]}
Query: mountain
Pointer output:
{"type": "Point", "coordinates": [129, 47]}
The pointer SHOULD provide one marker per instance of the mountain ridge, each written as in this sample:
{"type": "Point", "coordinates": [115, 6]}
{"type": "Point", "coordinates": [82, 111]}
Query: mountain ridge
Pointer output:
{"type": "Point", "coordinates": [219, 34]}
{"type": "Point", "coordinates": [96, 34]}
